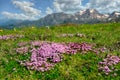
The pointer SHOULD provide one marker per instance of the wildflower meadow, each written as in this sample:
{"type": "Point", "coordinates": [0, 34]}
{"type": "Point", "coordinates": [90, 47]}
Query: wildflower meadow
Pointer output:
{"type": "Point", "coordinates": [61, 52]}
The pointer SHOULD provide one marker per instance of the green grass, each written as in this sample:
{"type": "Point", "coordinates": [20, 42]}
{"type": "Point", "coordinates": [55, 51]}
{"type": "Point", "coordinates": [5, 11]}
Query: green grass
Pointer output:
{"type": "Point", "coordinates": [73, 67]}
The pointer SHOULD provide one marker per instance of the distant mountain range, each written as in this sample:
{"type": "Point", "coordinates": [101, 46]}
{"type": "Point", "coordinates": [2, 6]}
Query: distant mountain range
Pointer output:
{"type": "Point", "coordinates": [84, 16]}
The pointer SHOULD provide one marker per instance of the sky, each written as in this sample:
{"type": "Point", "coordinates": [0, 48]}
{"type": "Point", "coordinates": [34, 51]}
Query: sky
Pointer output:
{"type": "Point", "coordinates": [35, 9]}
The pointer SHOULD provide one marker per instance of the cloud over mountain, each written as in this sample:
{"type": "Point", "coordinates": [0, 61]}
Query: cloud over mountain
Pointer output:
{"type": "Point", "coordinates": [49, 10]}
{"type": "Point", "coordinates": [35, 9]}
{"type": "Point", "coordinates": [104, 5]}
{"type": "Point", "coordinates": [71, 6]}
{"type": "Point", "coordinates": [67, 5]}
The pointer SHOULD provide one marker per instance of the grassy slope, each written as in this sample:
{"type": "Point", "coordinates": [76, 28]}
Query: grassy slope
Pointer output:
{"type": "Point", "coordinates": [73, 67]}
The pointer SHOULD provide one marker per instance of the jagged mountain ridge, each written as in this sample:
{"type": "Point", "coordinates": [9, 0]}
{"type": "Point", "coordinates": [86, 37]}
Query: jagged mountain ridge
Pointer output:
{"type": "Point", "coordinates": [83, 16]}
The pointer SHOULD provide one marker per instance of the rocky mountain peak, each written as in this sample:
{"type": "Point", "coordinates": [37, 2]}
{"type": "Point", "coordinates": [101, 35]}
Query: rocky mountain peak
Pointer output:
{"type": "Point", "coordinates": [83, 16]}
{"type": "Point", "coordinates": [114, 15]}
{"type": "Point", "coordinates": [91, 11]}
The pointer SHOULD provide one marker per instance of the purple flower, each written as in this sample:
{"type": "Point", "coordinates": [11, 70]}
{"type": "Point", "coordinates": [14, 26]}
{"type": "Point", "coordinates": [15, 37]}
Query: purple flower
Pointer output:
{"type": "Point", "coordinates": [22, 50]}
{"type": "Point", "coordinates": [7, 37]}
{"type": "Point", "coordinates": [107, 66]}
{"type": "Point", "coordinates": [22, 44]}
{"type": "Point", "coordinates": [36, 43]}
{"type": "Point", "coordinates": [44, 55]}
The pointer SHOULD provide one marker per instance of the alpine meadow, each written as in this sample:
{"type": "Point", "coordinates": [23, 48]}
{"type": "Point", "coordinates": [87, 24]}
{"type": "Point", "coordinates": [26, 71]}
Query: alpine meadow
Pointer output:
{"type": "Point", "coordinates": [62, 52]}
{"type": "Point", "coordinates": [59, 40]}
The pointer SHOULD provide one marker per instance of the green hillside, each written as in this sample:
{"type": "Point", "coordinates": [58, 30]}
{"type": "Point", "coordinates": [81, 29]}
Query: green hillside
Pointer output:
{"type": "Point", "coordinates": [79, 66]}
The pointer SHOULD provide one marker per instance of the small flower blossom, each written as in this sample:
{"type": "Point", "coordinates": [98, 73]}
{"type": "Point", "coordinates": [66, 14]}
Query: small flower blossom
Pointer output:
{"type": "Point", "coordinates": [1, 30]}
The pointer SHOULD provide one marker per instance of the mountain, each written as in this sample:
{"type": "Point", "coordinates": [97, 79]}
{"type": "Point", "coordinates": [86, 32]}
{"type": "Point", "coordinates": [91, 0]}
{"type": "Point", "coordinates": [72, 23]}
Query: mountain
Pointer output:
{"type": "Point", "coordinates": [11, 23]}
{"type": "Point", "coordinates": [80, 17]}
{"type": "Point", "coordinates": [90, 16]}
{"type": "Point", "coordinates": [115, 16]}
{"type": "Point", "coordinates": [85, 16]}
{"type": "Point", "coordinates": [54, 19]}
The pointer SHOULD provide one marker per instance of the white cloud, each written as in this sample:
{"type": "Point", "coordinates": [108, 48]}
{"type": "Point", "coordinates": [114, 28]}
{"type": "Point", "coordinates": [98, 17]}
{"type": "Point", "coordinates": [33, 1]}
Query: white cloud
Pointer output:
{"type": "Point", "coordinates": [27, 8]}
{"type": "Point", "coordinates": [49, 10]}
{"type": "Point", "coordinates": [104, 5]}
{"type": "Point", "coordinates": [17, 16]}
{"type": "Point", "coordinates": [29, 13]}
{"type": "Point", "coordinates": [67, 5]}
{"type": "Point", "coordinates": [71, 6]}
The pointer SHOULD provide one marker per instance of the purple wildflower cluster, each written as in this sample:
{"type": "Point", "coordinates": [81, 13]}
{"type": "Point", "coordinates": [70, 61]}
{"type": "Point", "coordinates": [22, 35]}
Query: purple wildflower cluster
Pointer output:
{"type": "Point", "coordinates": [22, 44]}
{"type": "Point", "coordinates": [83, 48]}
{"type": "Point", "coordinates": [44, 55]}
{"type": "Point", "coordinates": [72, 35]}
{"type": "Point", "coordinates": [107, 65]}
{"type": "Point", "coordinates": [79, 47]}
{"type": "Point", "coordinates": [7, 37]}
{"type": "Point", "coordinates": [22, 50]}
